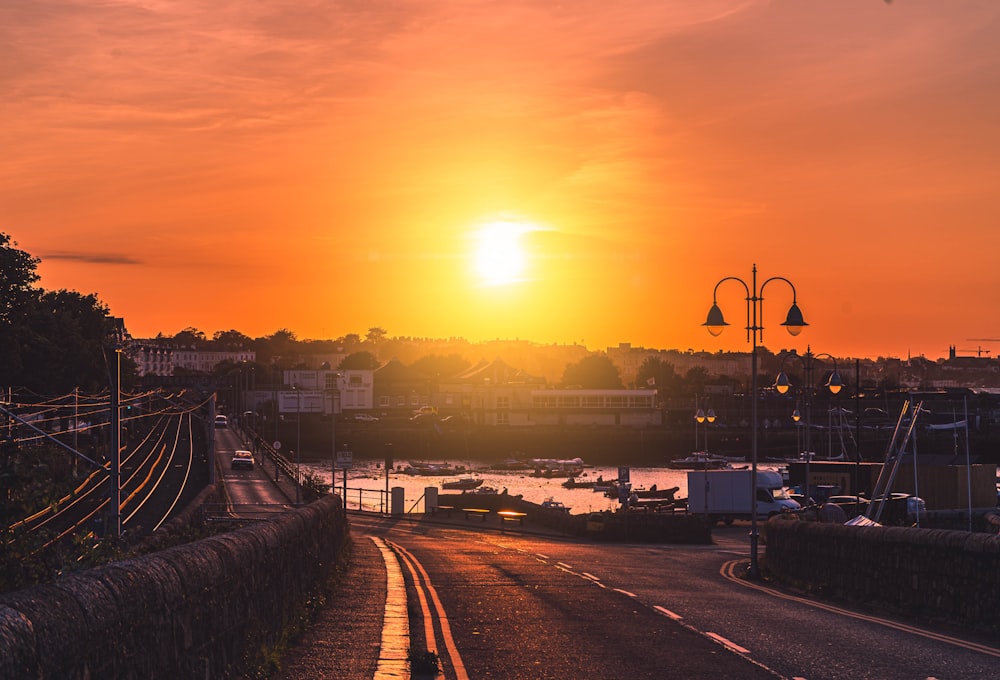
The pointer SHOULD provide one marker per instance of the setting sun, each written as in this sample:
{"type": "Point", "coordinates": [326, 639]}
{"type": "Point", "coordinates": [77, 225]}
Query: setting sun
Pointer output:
{"type": "Point", "coordinates": [499, 256]}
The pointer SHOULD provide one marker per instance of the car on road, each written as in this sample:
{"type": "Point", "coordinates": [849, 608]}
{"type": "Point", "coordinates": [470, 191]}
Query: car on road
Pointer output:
{"type": "Point", "coordinates": [221, 421]}
{"type": "Point", "coordinates": [365, 418]}
{"type": "Point", "coordinates": [242, 459]}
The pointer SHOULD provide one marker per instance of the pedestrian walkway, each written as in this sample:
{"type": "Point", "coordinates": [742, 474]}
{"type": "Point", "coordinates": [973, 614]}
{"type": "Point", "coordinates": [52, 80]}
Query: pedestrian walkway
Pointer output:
{"type": "Point", "coordinates": [345, 642]}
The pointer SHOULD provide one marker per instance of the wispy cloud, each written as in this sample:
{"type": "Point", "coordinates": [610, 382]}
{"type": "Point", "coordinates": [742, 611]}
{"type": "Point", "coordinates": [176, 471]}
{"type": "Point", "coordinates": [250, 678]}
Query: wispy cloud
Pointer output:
{"type": "Point", "coordinates": [91, 258]}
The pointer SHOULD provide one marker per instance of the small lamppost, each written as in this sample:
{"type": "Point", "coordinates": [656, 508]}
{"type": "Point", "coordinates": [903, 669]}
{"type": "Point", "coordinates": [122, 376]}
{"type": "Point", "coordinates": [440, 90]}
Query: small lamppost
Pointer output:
{"type": "Point", "coordinates": [782, 384]}
{"type": "Point", "coordinates": [716, 323]}
{"type": "Point", "coordinates": [707, 418]}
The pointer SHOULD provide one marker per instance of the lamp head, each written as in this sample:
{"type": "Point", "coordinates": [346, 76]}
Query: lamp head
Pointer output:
{"type": "Point", "coordinates": [835, 384]}
{"type": "Point", "coordinates": [710, 416]}
{"type": "Point", "coordinates": [715, 323]}
{"type": "Point", "coordinates": [700, 416]}
{"type": "Point", "coordinates": [794, 321]}
{"type": "Point", "coordinates": [796, 416]}
{"type": "Point", "coordinates": [781, 383]}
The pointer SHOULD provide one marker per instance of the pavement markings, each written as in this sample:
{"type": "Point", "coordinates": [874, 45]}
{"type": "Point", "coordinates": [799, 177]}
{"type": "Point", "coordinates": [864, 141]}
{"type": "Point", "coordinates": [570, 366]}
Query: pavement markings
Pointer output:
{"type": "Point", "coordinates": [425, 610]}
{"type": "Point", "coordinates": [666, 612]}
{"type": "Point", "coordinates": [728, 644]}
{"type": "Point", "coordinates": [424, 582]}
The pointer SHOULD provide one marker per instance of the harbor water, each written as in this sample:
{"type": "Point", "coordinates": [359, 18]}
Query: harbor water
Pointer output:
{"type": "Point", "coordinates": [367, 482]}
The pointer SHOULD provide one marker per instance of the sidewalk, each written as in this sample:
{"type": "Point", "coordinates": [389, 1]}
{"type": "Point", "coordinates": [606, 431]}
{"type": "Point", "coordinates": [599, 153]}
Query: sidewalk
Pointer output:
{"type": "Point", "coordinates": [344, 641]}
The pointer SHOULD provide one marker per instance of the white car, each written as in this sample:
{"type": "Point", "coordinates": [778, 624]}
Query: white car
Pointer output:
{"type": "Point", "coordinates": [365, 418]}
{"type": "Point", "coordinates": [221, 421]}
{"type": "Point", "coordinates": [242, 459]}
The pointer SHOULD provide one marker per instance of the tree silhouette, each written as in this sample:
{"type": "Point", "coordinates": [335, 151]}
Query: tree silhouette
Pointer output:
{"type": "Point", "coordinates": [592, 372]}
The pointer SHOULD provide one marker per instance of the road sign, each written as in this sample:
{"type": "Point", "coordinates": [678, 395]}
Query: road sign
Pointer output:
{"type": "Point", "coordinates": [623, 474]}
{"type": "Point", "coordinates": [345, 459]}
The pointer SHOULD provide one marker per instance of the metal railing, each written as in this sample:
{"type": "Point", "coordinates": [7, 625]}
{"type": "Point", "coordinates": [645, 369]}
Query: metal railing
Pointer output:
{"type": "Point", "coordinates": [375, 500]}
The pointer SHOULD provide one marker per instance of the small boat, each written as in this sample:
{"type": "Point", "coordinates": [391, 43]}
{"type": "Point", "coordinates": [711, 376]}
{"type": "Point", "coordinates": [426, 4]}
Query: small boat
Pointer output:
{"type": "Point", "coordinates": [699, 460]}
{"type": "Point", "coordinates": [485, 491]}
{"type": "Point", "coordinates": [553, 504]}
{"type": "Point", "coordinates": [463, 483]}
{"type": "Point", "coordinates": [655, 493]}
{"type": "Point", "coordinates": [574, 483]}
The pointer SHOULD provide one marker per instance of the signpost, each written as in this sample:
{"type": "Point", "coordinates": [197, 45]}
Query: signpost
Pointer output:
{"type": "Point", "coordinates": [345, 459]}
{"type": "Point", "coordinates": [277, 447]}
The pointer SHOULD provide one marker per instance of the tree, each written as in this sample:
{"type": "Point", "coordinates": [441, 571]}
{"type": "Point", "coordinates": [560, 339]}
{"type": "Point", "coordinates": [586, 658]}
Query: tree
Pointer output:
{"type": "Point", "coordinates": [375, 335]}
{"type": "Point", "coordinates": [696, 379]}
{"type": "Point", "coordinates": [359, 361]}
{"type": "Point", "coordinates": [66, 337]}
{"type": "Point", "coordinates": [50, 342]}
{"type": "Point", "coordinates": [231, 341]}
{"type": "Point", "coordinates": [592, 372]}
{"type": "Point", "coordinates": [17, 277]}
{"type": "Point", "coordinates": [190, 337]}
{"type": "Point", "coordinates": [655, 372]}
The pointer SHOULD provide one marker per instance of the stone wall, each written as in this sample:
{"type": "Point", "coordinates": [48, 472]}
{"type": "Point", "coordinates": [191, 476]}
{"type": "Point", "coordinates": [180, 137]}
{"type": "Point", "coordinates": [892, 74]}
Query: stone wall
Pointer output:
{"type": "Point", "coordinates": [199, 610]}
{"type": "Point", "coordinates": [929, 574]}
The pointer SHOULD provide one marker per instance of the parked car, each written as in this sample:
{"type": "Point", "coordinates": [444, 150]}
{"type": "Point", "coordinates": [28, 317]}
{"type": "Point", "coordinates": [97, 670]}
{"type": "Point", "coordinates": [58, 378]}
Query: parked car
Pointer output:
{"type": "Point", "coordinates": [221, 421]}
{"type": "Point", "coordinates": [365, 418]}
{"type": "Point", "coordinates": [242, 459]}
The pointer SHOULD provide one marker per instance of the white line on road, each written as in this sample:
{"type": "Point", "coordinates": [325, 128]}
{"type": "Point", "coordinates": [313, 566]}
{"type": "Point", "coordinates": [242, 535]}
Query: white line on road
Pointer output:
{"type": "Point", "coordinates": [667, 612]}
{"type": "Point", "coordinates": [729, 644]}
{"type": "Point", "coordinates": [624, 592]}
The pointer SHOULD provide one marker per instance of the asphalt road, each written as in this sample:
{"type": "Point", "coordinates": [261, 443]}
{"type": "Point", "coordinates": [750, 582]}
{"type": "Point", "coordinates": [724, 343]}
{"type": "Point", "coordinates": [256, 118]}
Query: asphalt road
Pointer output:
{"type": "Point", "coordinates": [519, 605]}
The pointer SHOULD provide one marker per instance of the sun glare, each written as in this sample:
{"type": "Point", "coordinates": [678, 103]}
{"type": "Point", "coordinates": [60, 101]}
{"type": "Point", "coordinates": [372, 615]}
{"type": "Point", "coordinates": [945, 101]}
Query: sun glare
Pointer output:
{"type": "Point", "coordinates": [499, 257]}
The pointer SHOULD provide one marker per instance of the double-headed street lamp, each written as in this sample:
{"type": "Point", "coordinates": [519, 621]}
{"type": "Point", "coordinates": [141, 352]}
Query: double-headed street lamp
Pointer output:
{"type": "Point", "coordinates": [716, 323]}
{"type": "Point", "coordinates": [782, 383]}
{"type": "Point", "coordinates": [700, 417]}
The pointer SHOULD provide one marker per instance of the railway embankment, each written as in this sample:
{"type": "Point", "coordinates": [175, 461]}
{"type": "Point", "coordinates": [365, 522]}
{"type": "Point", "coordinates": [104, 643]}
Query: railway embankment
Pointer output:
{"type": "Point", "coordinates": [203, 609]}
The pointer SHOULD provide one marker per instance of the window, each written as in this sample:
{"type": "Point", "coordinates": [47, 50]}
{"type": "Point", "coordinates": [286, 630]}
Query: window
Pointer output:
{"type": "Point", "coordinates": [503, 402]}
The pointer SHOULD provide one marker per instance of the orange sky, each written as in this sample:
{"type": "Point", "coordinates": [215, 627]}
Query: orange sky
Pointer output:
{"type": "Point", "coordinates": [324, 167]}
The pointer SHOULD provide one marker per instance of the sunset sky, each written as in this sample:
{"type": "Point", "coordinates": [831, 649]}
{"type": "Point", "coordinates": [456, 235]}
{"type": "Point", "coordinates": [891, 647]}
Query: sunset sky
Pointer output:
{"type": "Point", "coordinates": [577, 172]}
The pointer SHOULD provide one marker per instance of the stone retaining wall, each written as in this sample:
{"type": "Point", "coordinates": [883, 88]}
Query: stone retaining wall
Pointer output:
{"type": "Point", "coordinates": [204, 609]}
{"type": "Point", "coordinates": [926, 573]}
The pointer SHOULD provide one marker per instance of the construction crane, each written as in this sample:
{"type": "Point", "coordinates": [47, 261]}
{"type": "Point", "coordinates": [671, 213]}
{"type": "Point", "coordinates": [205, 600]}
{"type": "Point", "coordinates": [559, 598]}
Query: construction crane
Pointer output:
{"type": "Point", "coordinates": [979, 352]}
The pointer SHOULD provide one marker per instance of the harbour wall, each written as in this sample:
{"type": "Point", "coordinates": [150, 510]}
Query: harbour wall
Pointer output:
{"type": "Point", "coordinates": [927, 574]}
{"type": "Point", "coordinates": [204, 609]}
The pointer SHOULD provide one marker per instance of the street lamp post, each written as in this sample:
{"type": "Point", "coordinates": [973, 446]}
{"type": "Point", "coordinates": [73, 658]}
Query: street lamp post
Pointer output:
{"type": "Point", "coordinates": [715, 324]}
{"type": "Point", "coordinates": [333, 432]}
{"type": "Point", "coordinates": [834, 384]}
{"type": "Point", "coordinates": [298, 442]}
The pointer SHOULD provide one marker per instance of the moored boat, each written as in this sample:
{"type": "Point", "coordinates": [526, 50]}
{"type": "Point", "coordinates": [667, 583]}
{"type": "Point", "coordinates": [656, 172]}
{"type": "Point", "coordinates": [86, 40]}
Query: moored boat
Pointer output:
{"type": "Point", "coordinates": [552, 504]}
{"type": "Point", "coordinates": [462, 483]}
{"type": "Point", "coordinates": [699, 460]}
